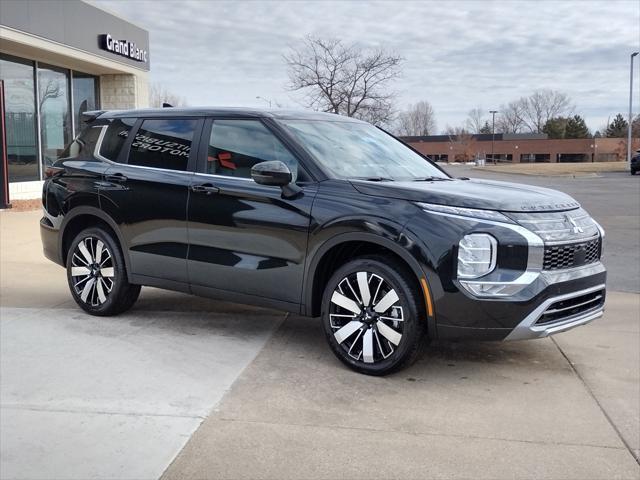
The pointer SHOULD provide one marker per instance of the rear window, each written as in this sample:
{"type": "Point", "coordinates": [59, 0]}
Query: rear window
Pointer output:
{"type": "Point", "coordinates": [115, 137]}
{"type": "Point", "coordinates": [163, 143]}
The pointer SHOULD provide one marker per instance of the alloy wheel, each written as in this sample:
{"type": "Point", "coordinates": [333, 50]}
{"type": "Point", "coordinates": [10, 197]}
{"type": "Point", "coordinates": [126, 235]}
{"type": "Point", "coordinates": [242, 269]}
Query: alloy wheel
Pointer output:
{"type": "Point", "coordinates": [92, 271]}
{"type": "Point", "coordinates": [366, 318]}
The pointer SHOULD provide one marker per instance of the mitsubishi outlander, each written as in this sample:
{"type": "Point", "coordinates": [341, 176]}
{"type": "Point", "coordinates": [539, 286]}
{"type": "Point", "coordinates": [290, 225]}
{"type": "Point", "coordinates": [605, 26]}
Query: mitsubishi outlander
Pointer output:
{"type": "Point", "coordinates": [320, 215]}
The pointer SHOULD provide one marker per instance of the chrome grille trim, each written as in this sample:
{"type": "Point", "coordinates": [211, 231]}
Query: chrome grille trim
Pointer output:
{"type": "Point", "coordinates": [528, 329]}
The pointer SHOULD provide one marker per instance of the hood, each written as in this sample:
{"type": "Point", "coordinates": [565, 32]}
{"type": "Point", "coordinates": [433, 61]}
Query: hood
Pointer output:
{"type": "Point", "coordinates": [483, 194]}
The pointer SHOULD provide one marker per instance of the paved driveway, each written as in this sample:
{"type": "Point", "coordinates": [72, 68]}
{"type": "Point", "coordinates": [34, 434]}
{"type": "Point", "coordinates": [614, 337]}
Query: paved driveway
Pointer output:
{"type": "Point", "coordinates": [83, 397]}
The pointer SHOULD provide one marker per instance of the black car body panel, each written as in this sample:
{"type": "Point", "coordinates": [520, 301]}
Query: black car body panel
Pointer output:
{"type": "Point", "coordinates": [484, 194]}
{"type": "Point", "coordinates": [228, 237]}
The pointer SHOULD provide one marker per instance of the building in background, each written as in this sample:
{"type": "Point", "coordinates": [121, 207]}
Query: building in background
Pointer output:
{"type": "Point", "coordinates": [521, 148]}
{"type": "Point", "coordinates": [58, 60]}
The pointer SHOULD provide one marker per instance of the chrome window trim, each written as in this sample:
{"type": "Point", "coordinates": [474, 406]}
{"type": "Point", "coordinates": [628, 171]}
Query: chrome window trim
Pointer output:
{"type": "Point", "coordinates": [214, 175]}
{"type": "Point", "coordinates": [527, 328]}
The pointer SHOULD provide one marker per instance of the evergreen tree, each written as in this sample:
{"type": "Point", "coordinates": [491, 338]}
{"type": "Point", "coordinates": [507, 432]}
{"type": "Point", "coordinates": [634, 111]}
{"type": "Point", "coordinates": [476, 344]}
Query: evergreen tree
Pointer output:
{"type": "Point", "coordinates": [486, 128]}
{"type": "Point", "coordinates": [617, 128]}
{"type": "Point", "coordinates": [576, 128]}
{"type": "Point", "coordinates": [555, 127]}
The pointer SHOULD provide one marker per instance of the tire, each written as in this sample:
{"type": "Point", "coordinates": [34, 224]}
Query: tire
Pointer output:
{"type": "Point", "coordinates": [396, 327]}
{"type": "Point", "coordinates": [633, 172]}
{"type": "Point", "coordinates": [97, 274]}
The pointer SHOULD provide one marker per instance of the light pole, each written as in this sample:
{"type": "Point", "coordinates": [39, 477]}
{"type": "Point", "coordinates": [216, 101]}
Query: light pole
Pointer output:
{"type": "Point", "coordinates": [493, 133]}
{"type": "Point", "coordinates": [262, 98]}
{"type": "Point", "coordinates": [630, 107]}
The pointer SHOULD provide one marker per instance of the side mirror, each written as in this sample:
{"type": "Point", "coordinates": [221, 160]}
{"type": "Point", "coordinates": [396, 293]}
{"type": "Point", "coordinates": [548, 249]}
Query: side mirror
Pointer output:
{"type": "Point", "coordinates": [274, 173]}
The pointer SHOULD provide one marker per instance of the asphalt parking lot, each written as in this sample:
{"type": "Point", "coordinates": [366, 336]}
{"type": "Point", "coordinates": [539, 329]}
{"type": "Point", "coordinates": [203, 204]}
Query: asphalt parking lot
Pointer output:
{"type": "Point", "coordinates": [182, 387]}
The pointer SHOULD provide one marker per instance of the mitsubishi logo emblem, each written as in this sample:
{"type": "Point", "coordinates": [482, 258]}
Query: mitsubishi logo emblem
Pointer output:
{"type": "Point", "coordinates": [575, 228]}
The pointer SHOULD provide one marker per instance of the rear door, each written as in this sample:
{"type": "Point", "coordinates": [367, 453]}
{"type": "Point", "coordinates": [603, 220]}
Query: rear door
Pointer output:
{"type": "Point", "coordinates": [244, 237]}
{"type": "Point", "coordinates": [146, 191]}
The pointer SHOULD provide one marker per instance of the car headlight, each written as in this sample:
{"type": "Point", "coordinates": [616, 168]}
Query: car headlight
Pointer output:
{"type": "Point", "coordinates": [476, 255]}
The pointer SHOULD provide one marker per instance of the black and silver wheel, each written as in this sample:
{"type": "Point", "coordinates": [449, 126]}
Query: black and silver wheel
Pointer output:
{"type": "Point", "coordinates": [372, 315]}
{"type": "Point", "coordinates": [96, 274]}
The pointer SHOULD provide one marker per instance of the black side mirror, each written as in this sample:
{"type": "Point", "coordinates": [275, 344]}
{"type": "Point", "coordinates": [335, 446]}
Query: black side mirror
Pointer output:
{"type": "Point", "coordinates": [276, 173]}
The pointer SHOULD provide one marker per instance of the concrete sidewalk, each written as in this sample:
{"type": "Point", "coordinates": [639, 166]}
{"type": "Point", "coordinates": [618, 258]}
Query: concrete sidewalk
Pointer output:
{"type": "Point", "coordinates": [84, 397]}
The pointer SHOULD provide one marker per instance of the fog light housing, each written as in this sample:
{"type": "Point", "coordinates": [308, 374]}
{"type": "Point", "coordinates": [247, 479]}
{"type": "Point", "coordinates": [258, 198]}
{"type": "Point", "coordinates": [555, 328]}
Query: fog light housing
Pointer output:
{"type": "Point", "coordinates": [476, 255]}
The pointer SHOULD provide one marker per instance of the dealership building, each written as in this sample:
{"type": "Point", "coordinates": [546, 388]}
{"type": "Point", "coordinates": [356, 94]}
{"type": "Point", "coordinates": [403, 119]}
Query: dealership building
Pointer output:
{"type": "Point", "coordinates": [58, 60]}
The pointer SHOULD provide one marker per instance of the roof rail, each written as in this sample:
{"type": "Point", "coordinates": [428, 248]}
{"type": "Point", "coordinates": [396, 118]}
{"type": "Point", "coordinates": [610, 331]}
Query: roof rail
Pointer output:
{"type": "Point", "coordinates": [91, 115]}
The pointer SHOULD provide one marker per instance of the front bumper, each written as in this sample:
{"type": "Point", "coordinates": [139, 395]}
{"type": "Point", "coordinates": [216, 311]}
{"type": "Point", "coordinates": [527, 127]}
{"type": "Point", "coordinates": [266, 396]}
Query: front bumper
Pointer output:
{"type": "Point", "coordinates": [582, 307]}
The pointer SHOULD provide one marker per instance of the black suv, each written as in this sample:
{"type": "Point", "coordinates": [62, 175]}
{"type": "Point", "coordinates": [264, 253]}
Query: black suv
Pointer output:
{"type": "Point", "coordinates": [635, 163]}
{"type": "Point", "coordinates": [320, 215]}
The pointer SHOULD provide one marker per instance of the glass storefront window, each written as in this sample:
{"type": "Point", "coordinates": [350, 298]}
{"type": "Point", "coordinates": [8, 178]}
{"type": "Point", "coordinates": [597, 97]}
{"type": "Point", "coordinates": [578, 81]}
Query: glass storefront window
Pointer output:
{"type": "Point", "coordinates": [85, 97]}
{"type": "Point", "coordinates": [20, 115]}
{"type": "Point", "coordinates": [55, 118]}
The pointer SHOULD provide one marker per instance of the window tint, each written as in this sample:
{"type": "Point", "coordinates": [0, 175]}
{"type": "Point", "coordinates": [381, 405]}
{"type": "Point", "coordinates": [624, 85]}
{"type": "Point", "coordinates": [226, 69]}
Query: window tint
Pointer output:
{"type": "Point", "coordinates": [115, 137]}
{"type": "Point", "coordinates": [163, 144]}
{"type": "Point", "coordinates": [84, 144]}
{"type": "Point", "coordinates": [237, 145]}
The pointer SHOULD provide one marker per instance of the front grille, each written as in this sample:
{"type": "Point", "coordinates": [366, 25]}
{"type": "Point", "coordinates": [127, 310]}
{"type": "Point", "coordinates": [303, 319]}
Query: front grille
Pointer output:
{"type": "Point", "coordinates": [567, 309]}
{"type": "Point", "coordinates": [558, 257]}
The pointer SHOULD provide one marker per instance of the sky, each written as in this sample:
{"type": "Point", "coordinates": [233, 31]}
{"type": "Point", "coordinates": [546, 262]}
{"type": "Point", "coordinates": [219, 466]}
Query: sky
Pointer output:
{"type": "Point", "coordinates": [457, 55]}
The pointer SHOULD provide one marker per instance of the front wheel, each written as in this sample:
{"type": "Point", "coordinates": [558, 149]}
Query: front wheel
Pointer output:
{"type": "Point", "coordinates": [373, 315]}
{"type": "Point", "coordinates": [97, 274]}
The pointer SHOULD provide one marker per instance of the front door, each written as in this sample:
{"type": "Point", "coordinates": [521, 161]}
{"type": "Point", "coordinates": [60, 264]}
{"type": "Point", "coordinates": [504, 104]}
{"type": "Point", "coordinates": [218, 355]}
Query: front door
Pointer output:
{"type": "Point", "coordinates": [245, 237]}
{"type": "Point", "coordinates": [147, 190]}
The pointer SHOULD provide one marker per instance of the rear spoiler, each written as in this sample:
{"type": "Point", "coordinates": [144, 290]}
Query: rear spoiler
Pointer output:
{"type": "Point", "coordinates": [88, 117]}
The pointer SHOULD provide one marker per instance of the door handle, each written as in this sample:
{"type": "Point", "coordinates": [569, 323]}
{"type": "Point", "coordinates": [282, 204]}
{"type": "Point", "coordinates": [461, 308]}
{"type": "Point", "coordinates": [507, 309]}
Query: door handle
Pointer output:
{"type": "Point", "coordinates": [116, 177]}
{"type": "Point", "coordinates": [205, 188]}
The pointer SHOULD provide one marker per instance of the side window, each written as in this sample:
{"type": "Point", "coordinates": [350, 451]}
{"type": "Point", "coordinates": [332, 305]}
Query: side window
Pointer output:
{"type": "Point", "coordinates": [83, 145]}
{"type": "Point", "coordinates": [163, 143]}
{"type": "Point", "coordinates": [115, 137]}
{"type": "Point", "coordinates": [237, 145]}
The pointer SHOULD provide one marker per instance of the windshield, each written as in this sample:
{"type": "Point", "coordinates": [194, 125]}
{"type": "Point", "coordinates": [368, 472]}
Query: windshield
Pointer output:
{"type": "Point", "coordinates": [360, 150]}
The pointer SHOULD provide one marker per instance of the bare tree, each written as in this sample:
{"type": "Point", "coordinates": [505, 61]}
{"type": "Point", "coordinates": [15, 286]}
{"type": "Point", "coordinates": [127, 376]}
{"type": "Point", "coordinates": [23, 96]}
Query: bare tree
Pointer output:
{"type": "Point", "coordinates": [463, 143]}
{"type": "Point", "coordinates": [158, 94]}
{"type": "Point", "coordinates": [50, 90]}
{"type": "Point", "coordinates": [344, 79]}
{"type": "Point", "coordinates": [543, 105]}
{"type": "Point", "coordinates": [475, 120]}
{"type": "Point", "coordinates": [417, 120]}
{"type": "Point", "coordinates": [511, 117]}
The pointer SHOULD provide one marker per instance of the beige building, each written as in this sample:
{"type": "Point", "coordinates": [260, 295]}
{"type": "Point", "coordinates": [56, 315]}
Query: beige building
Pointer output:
{"type": "Point", "coordinates": [58, 60]}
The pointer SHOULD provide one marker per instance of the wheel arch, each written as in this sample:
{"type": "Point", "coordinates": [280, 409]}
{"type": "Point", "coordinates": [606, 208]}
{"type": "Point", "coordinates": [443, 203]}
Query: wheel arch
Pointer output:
{"type": "Point", "coordinates": [339, 249]}
{"type": "Point", "coordinates": [84, 217]}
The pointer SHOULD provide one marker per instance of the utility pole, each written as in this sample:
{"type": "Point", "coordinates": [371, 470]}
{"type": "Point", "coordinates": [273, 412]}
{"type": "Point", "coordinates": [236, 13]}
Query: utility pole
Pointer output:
{"type": "Point", "coordinates": [266, 100]}
{"type": "Point", "coordinates": [493, 133]}
{"type": "Point", "coordinates": [630, 107]}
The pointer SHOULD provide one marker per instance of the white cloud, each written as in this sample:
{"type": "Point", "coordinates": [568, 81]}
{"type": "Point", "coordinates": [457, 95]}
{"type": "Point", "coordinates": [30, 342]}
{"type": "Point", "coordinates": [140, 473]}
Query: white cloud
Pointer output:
{"type": "Point", "coordinates": [459, 55]}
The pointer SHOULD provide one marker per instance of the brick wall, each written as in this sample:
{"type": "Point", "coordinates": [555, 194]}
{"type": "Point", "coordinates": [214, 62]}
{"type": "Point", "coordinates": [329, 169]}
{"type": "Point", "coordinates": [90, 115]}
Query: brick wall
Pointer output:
{"type": "Point", "coordinates": [124, 91]}
{"type": "Point", "coordinates": [597, 149]}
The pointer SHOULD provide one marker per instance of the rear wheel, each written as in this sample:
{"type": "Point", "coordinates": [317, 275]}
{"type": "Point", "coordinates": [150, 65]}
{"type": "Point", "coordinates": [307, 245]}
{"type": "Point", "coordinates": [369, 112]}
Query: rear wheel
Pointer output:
{"type": "Point", "coordinates": [373, 315]}
{"type": "Point", "coordinates": [97, 274]}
